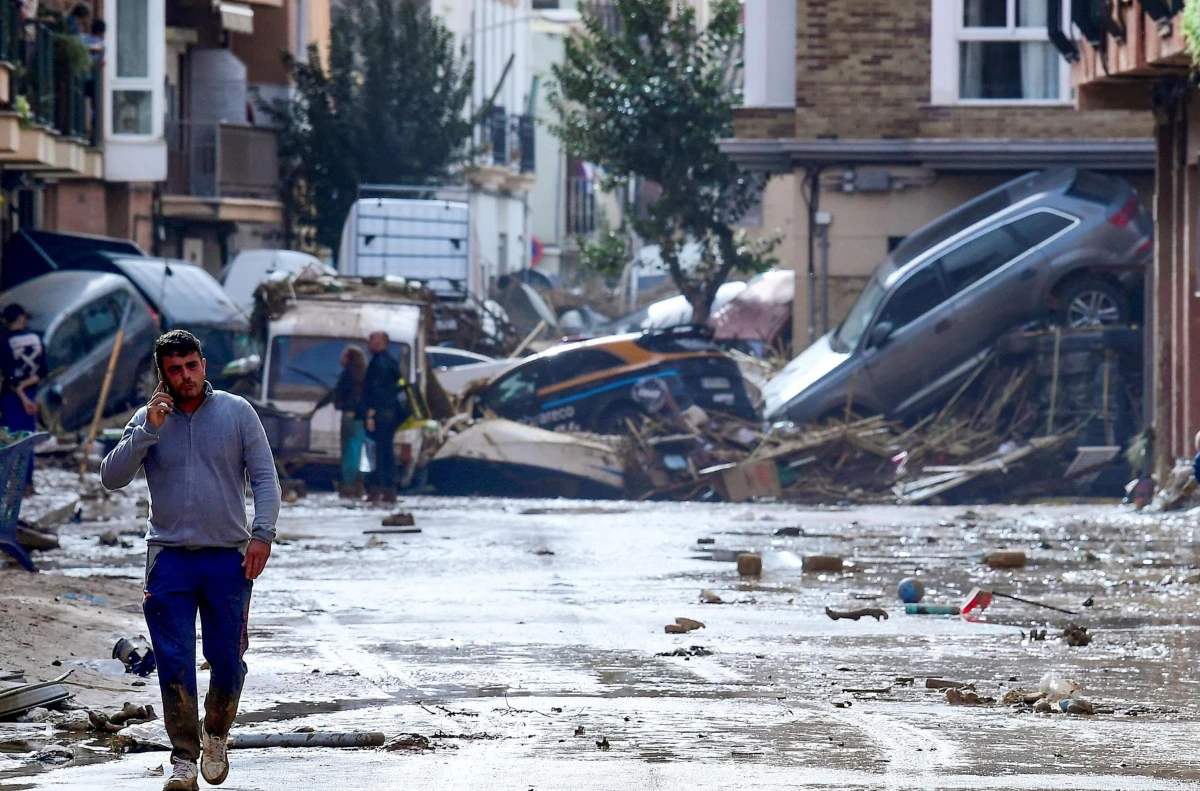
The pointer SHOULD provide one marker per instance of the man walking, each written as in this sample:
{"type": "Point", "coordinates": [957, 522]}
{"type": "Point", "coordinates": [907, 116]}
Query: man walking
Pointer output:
{"type": "Point", "coordinates": [385, 407]}
{"type": "Point", "coordinates": [23, 365]}
{"type": "Point", "coordinates": [198, 446]}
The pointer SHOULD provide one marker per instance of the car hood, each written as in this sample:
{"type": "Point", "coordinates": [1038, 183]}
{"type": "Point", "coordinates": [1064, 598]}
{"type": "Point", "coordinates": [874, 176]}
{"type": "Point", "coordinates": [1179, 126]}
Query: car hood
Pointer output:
{"type": "Point", "coordinates": [816, 362]}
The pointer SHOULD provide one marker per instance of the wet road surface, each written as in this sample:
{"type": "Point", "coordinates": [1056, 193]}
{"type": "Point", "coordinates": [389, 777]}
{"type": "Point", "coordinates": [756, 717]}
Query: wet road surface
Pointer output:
{"type": "Point", "coordinates": [506, 626]}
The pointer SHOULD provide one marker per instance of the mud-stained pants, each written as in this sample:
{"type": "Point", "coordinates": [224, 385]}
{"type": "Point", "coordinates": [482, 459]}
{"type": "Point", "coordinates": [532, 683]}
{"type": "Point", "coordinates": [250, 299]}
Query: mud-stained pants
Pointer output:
{"type": "Point", "coordinates": [180, 583]}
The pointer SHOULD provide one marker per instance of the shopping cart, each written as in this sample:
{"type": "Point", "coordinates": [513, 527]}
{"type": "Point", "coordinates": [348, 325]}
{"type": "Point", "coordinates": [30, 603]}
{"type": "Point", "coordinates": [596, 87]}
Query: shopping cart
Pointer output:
{"type": "Point", "coordinates": [14, 464]}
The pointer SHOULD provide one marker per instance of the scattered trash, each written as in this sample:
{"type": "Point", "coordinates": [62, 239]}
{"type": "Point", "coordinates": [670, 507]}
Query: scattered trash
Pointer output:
{"type": "Point", "coordinates": [790, 532]}
{"type": "Point", "coordinates": [603, 743]}
{"type": "Point", "coordinates": [1077, 706]}
{"type": "Point", "coordinates": [146, 738]}
{"type": "Point", "coordinates": [399, 519]}
{"type": "Point", "coordinates": [580, 730]}
{"type": "Point", "coordinates": [409, 741]}
{"type": "Point", "coordinates": [683, 626]}
{"type": "Point", "coordinates": [706, 541]}
{"type": "Point", "coordinates": [966, 697]}
{"type": "Point", "coordinates": [941, 683]}
{"type": "Point", "coordinates": [822, 564]}
{"type": "Point", "coordinates": [105, 667]}
{"type": "Point", "coordinates": [854, 615]}
{"type": "Point", "coordinates": [1088, 601]}
{"type": "Point", "coordinates": [842, 704]}
{"type": "Point", "coordinates": [1055, 689]}
{"type": "Point", "coordinates": [696, 650]}
{"type": "Point", "coordinates": [18, 700]}
{"type": "Point", "coordinates": [910, 590]}
{"type": "Point", "coordinates": [1076, 636]}
{"type": "Point", "coordinates": [154, 771]}
{"type": "Point", "coordinates": [129, 715]}
{"type": "Point", "coordinates": [136, 654]}
{"type": "Point", "coordinates": [932, 609]}
{"type": "Point", "coordinates": [393, 531]}
{"type": "Point", "coordinates": [375, 542]}
{"type": "Point", "coordinates": [749, 565]}
{"type": "Point", "coordinates": [54, 754]}
{"type": "Point", "coordinates": [544, 552]}
{"type": "Point", "coordinates": [979, 600]}
{"type": "Point", "coordinates": [109, 539]}
{"type": "Point", "coordinates": [1005, 560]}
{"type": "Point", "coordinates": [708, 597]}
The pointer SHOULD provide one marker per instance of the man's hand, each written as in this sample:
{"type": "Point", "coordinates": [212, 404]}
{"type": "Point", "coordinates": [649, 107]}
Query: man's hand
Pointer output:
{"type": "Point", "coordinates": [159, 407]}
{"type": "Point", "coordinates": [30, 407]}
{"type": "Point", "coordinates": [256, 558]}
{"type": "Point", "coordinates": [369, 423]}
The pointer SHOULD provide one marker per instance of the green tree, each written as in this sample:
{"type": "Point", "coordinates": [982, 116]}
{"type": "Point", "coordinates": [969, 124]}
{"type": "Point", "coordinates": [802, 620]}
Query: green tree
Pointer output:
{"type": "Point", "coordinates": [387, 108]}
{"type": "Point", "coordinates": [649, 98]}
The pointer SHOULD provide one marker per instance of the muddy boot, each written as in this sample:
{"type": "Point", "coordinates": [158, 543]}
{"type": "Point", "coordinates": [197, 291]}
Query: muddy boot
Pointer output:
{"type": "Point", "coordinates": [374, 496]}
{"type": "Point", "coordinates": [388, 495]}
{"type": "Point", "coordinates": [348, 492]}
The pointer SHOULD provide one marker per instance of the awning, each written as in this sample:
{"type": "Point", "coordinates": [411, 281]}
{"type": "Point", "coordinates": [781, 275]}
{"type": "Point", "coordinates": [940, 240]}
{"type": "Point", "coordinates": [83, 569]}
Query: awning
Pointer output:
{"type": "Point", "coordinates": [963, 154]}
{"type": "Point", "coordinates": [236, 17]}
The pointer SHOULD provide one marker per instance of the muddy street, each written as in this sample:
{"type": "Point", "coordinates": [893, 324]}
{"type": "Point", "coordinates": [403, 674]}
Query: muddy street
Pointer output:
{"type": "Point", "coordinates": [521, 644]}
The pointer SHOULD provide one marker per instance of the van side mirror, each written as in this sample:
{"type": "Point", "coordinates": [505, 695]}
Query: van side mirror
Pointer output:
{"type": "Point", "coordinates": [880, 335]}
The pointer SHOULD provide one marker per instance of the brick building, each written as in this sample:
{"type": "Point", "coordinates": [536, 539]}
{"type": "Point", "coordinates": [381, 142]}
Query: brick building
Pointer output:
{"type": "Point", "coordinates": [1133, 57]}
{"type": "Point", "coordinates": [890, 114]}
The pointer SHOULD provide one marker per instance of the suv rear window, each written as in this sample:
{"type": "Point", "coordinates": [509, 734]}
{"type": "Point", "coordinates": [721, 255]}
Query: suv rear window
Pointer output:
{"type": "Point", "coordinates": [1093, 187]}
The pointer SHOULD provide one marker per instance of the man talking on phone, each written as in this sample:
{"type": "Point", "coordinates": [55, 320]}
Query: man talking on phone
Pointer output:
{"type": "Point", "coordinates": [198, 446]}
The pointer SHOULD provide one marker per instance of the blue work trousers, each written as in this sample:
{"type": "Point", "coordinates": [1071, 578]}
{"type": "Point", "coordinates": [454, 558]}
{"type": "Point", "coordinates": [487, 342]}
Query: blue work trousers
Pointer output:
{"type": "Point", "coordinates": [179, 583]}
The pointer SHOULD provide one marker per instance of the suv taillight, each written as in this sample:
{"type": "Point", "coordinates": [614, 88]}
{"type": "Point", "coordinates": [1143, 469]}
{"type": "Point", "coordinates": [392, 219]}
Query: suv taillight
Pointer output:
{"type": "Point", "coordinates": [1126, 213]}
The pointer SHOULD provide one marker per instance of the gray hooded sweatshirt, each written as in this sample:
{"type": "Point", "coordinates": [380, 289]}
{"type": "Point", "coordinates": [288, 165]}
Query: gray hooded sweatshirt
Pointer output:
{"type": "Point", "coordinates": [196, 466]}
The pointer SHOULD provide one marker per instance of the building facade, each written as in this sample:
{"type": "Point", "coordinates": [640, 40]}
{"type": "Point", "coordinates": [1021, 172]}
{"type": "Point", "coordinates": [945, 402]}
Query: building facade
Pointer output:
{"type": "Point", "coordinates": [879, 117]}
{"type": "Point", "coordinates": [1133, 58]}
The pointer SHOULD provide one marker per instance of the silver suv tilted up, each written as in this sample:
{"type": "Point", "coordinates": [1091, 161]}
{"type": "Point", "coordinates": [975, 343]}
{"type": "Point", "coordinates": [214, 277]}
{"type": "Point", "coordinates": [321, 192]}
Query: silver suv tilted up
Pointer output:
{"type": "Point", "coordinates": [1065, 244]}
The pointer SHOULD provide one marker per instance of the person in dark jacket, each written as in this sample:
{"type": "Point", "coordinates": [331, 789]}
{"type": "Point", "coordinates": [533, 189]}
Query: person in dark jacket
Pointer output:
{"type": "Point", "coordinates": [345, 397]}
{"type": "Point", "coordinates": [384, 408]}
{"type": "Point", "coordinates": [23, 365]}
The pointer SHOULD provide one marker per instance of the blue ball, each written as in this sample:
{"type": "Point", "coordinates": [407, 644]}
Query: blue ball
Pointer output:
{"type": "Point", "coordinates": [910, 590]}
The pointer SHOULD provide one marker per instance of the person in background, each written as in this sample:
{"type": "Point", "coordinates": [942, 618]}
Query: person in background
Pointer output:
{"type": "Point", "coordinates": [384, 408]}
{"type": "Point", "coordinates": [345, 397]}
{"type": "Point", "coordinates": [79, 19]}
{"type": "Point", "coordinates": [23, 365]}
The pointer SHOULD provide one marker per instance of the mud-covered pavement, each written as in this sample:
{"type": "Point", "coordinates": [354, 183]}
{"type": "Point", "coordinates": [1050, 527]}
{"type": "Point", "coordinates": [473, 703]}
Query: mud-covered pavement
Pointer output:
{"type": "Point", "coordinates": [517, 635]}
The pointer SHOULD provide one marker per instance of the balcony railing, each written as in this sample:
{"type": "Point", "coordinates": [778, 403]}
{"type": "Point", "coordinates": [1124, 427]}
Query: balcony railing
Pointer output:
{"type": "Point", "coordinates": [581, 206]}
{"type": "Point", "coordinates": [59, 97]}
{"type": "Point", "coordinates": [508, 140]}
{"type": "Point", "coordinates": [208, 159]}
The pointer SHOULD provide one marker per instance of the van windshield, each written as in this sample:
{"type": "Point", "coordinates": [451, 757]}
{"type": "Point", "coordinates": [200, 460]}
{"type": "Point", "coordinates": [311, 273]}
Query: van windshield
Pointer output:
{"type": "Point", "coordinates": [305, 367]}
{"type": "Point", "coordinates": [847, 336]}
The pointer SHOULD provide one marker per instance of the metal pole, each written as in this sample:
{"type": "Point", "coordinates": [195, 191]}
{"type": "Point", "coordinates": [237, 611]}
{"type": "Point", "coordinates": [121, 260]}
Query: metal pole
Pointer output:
{"type": "Point", "coordinates": [825, 278]}
{"type": "Point", "coordinates": [813, 176]}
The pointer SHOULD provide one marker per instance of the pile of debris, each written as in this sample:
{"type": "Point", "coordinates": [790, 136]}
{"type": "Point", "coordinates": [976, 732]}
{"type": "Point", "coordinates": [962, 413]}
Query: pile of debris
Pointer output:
{"type": "Point", "coordinates": [1000, 424]}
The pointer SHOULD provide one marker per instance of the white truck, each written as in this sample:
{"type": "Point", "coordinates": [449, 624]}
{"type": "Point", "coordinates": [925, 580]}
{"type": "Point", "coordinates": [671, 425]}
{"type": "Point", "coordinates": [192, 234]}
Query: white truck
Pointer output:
{"type": "Point", "coordinates": [301, 363]}
{"type": "Point", "coordinates": [418, 233]}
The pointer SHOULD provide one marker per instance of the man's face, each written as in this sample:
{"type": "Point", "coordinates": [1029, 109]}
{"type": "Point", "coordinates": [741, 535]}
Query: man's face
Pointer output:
{"type": "Point", "coordinates": [184, 376]}
{"type": "Point", "coordinates": [377, 343]}
{"type": "Point", "coordinates": [19, 323]}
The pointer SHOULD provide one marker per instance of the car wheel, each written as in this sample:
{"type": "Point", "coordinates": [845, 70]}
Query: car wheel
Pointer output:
{"type": "Point", "coordinates": [614, 420]}
{"type": "Point", "coordinates": [1094, 303]}
{"type": "Point", "coordinates": [145, 383]}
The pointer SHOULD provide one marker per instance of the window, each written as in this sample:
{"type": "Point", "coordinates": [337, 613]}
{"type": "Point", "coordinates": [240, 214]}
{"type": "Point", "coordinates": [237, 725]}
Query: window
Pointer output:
{"type": "Point", "coordinates": [102, 318]}
{"type": "Point", "coordinates": [510, 390]}
{"type": "Point", "coordinates": [921, 293]}
{"type": "Point", "coordinates": [68, 345]}
{"type": "Point", "coordinates": [304, 368]}
{"type": "Point", "coordinates": [984, 254]}
{"type": "Point", "coordinates": [572, 365]}
{"type": "Point", "coordinates": [997, 52]}
{"type": "Point", "coordinates": [135, 75]}
{"type": "Point", "coordinates": [133, 39]}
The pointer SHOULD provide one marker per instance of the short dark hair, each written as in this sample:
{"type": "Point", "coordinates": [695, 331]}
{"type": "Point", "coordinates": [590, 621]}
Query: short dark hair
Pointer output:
{"type": "Point", "coordinates": [12, 312]}
{"type": "Point", "coordinates": [81, 9]}
{"type": "Point", "coordinates": [176, 343]}
{"type": "Point", "coordinates": [99, 27]}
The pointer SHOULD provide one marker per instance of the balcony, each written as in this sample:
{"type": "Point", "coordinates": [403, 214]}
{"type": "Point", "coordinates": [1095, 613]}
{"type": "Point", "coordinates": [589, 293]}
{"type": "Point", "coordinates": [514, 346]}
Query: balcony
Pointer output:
{"type": "Point", "coordinates": [581, 206]}
{"type": "Point", "coordinates": [222, 171]}
{"type": "Point", "coordinates": [505, 153]}
{"type": "Point", "coordinates": [49, 100]}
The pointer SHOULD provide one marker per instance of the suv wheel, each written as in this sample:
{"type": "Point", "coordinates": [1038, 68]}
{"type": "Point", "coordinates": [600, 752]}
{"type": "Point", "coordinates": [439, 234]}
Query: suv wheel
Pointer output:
{"type": "Point", "coordinates": [1094, 303]}
{"type": "Point", "coordinates": [613, 421]}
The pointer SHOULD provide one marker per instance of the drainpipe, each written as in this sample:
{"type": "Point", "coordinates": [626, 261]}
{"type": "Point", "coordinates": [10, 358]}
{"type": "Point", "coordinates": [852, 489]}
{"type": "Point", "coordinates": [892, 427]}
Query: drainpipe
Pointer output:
{"type": "Point", "coordinates": [823, 219]}
{"type": "Point", "coordinates": [813, 177]}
